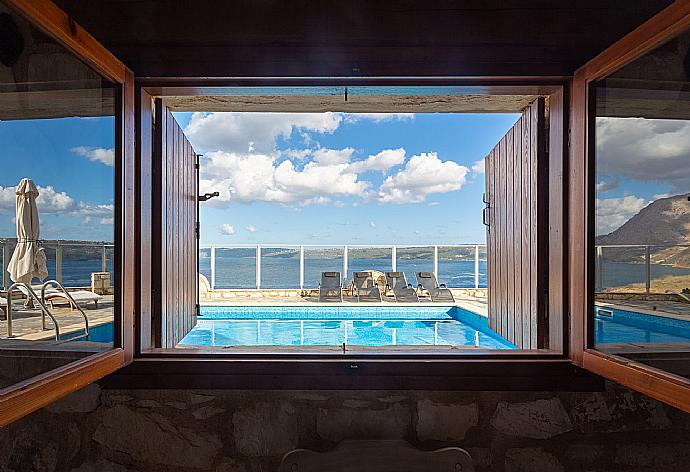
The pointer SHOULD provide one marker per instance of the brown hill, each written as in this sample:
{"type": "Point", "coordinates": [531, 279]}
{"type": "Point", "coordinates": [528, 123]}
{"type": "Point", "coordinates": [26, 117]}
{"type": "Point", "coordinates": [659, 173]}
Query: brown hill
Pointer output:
{"type": "Point", "coordinates": [663, 222]}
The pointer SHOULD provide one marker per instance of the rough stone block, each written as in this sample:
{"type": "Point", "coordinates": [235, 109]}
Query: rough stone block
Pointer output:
{"type": "Point", "coordinates": [336, 424]}
{"type": "Point", "coordinates": [82, 401]}
{"type": "Point", "coordinates": [625, 412]}
{"type": "Point", "coordinates": [532, 459]}
{"type": "Point", "coordinates": [152, 438]}
{"type": "Point", "coordinates": [206, 412]}
{"type": "Point", "coordinates": [445, 422]}
{"type": "Point", "coordinates": [101, 466]}
{"type": "Point", "coordinates": [539, 419]}
{"type": "Point", "coordinates": [654, 455]}
{"type": "Point", "coordinates": [265, 429]}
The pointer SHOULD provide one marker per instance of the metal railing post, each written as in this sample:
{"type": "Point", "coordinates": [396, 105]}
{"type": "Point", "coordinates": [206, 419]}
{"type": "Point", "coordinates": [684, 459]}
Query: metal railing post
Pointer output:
{"type": "Point", "coordinates": [476, 266]}
{"type": "Point", "coordinates": [5, 274]}
{"type": "Point", "coordinates": [58, 262]}
{"type": "Point", "coordinates": [436, 262]}
{"type": "Point", "coordinates": [104, 259]}
{"type": "Point", "coordinates": [258, 266]}
{"type": "Point", "coordinates": [647, 270]}
{"type": "Point", "coordinates": [394, 256]}
{"type": "Point", "coordinates": [301, 267]}
{"type": "Point", "coordinates": [599, 268]}
{"type": "Point", "coordinates": [213, 267]}
{"type": "Point", "coordinates": [344, 265]}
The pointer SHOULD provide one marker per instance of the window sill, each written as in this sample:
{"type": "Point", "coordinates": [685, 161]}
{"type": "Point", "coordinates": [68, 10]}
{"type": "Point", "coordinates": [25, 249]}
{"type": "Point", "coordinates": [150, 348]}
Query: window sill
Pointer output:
{"type": "Point", "coordinates": [354, 373]}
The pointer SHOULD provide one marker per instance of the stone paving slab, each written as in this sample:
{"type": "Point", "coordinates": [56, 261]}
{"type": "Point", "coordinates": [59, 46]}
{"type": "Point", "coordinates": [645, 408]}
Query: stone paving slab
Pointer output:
{"type": "Point", "coordinates": [26, 323]}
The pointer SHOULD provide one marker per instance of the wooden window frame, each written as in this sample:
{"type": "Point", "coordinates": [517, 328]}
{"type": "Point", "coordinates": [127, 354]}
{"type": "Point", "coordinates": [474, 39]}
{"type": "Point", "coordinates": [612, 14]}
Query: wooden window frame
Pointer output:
{"type": "Point", "coordinates": [520, 370]}
{"type": "Point", "coordinates": [662, 385]}
{"type": "Point", "coordinates": [29, 395]}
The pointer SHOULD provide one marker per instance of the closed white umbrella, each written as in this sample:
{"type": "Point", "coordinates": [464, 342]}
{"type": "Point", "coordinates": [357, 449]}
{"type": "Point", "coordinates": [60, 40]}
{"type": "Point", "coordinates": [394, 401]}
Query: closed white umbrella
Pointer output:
{"type": "Point", "coordinates": [28, 260]}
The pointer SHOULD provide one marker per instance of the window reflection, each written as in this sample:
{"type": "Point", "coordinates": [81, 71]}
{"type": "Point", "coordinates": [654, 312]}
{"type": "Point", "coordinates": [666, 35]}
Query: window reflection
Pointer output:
{"type": "Point", "coordinates": [57, 149]}
{"type": "Point", "coordinates": [642, 220]}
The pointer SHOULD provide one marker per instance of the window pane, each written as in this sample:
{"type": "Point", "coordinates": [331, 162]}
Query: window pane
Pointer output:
{"type": "Point", "coordinates": [641, 256]}
{"type": "Point", "coordinates": [57, 148]}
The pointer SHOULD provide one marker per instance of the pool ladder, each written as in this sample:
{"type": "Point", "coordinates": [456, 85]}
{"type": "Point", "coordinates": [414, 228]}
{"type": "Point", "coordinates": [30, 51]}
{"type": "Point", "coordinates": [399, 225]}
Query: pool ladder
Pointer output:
{"type": "Point", "coordinates": [604, 313]}
{"type": "Point", "coordinates": [29, 292]}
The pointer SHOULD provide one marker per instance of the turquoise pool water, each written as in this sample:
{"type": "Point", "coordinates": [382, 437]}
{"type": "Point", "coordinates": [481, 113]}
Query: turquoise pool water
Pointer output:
{"type": "Point", "coordinates": [102, 333]}
{"type": "Point", "coordinates": [335, 325]}
{"type": "Point", "coordinates": [613, 325]}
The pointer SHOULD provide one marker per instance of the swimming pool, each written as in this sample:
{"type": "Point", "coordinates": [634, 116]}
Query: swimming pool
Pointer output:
{"type": "Point", "coordinates": [614, 325]}
{"type": "Point", "coordinates": [102, 333]}
{"type": "Point", "coordinates": [335, 325]}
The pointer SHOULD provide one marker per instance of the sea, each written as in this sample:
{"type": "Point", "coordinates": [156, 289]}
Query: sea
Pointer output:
{"type": "Point", "coordinates": [239, 270]}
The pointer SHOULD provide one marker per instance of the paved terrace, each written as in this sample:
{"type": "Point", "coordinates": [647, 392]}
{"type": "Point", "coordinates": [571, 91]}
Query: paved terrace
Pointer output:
{"type": "Point", "coordinates": [470, 299]}
{"type": "Point", "coordinates": [26, 323]}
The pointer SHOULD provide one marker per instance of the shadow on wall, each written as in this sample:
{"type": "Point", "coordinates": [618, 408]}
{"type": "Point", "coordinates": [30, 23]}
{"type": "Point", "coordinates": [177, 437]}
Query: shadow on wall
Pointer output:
{"type": "Point", "coordinates": [185, 430]}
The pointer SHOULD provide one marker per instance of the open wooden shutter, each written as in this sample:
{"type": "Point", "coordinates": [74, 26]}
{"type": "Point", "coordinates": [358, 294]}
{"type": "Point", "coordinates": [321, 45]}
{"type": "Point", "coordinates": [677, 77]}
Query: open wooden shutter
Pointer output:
{"type": "Point", "coordinates": [175, 226]}
{"type": "Point", "coordinates": [516, 173]}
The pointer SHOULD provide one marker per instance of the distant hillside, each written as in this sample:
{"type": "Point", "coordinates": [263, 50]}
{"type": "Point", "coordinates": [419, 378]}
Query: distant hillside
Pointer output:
{"type": "Point", "coordinates": [664, 221]}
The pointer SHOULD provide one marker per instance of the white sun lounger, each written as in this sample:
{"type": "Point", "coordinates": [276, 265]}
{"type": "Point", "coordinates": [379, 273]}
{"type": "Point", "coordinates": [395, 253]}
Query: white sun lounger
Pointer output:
{"type": "Point", "coordinates": [55, 297]}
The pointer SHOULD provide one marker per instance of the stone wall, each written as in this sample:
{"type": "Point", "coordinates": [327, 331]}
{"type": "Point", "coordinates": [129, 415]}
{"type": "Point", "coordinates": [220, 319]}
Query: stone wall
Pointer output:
{"type": "Point", "coordinates": [98, 430]}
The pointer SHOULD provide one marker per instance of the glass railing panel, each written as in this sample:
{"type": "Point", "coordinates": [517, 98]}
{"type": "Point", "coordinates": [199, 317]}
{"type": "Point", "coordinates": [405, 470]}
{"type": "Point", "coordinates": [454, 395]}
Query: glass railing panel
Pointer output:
{"type": "Point", "coordinates": [205, 262]}
{"type": "Point", "coordinates": [318, 259]}
{"type": "Point", "coordinates": [669, 269]}
{"type": "Point", "coordinates": [280, 267]}
{"type": "Point", "coordinates": [456, 266]}
{"type": "Point", "coordinates": [620, 269]}
{"type": "Point", "coordinates": [235, 268]}
{"type": "Point", "coordinates": [414, 259]}
{"type": "Point", "coordinates": [369, 258]}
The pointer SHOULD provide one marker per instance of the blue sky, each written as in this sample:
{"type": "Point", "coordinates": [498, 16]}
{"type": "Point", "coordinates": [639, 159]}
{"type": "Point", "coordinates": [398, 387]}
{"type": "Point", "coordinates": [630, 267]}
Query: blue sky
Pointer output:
{"type": "Point", "coordinates": [343, 178]}
{"type": "Point", "coordinates": [71, 160]}
{"type": "Point", "coordinates": [328, 178]}
{"type": "Point", "coordinates": [638, 161]}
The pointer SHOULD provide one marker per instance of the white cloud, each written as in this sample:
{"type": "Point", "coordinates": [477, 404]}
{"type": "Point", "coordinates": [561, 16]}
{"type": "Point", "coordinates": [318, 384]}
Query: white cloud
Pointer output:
{"type": "Point", "coordinates": [50, 201]}
{"type": "Point", "coordinates": [107, 221]}
{"type": "Point", "coordinates": [327, 157]}
{"type": "Point", "coordinates": [239, 132]}
{"type": "Point", "coordinates": [251, 228]}
{"type": "Point", "coordinates": [478, 167]}
{"type": "Point", "coordinates": [258, 177]}
{"type": "Point", "coordinates": [644, 149]}
{"type": "Point", "coordinates": [612, 213]}
{"type": "Point", "coordinates": [382, 161]}
{"type": "Point", "coordinates": [423, 175]}
{"type": "Point", "coordinates": [372, 224]}
{"type": "Point", "coordinates": [379, 117]}
{"type": "Point", "coordinates": [227, 229]}
{"type": "Point", "coordinates": [611, 184]}
{"type": "Point", "coordinates": [103, 155]}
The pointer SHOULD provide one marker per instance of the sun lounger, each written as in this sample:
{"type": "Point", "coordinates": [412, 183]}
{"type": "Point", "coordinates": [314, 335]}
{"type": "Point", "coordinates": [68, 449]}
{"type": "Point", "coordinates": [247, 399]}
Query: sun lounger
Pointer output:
{"type": "Point", "coordinates": [437, 293]}
{"type": "Point", "coordinates": [54, 297]}
{"type": "Point", "coordinates": [330, 288]}
{"type": "Point", "coordinates": [364, 287]}
{"type": "Point", "coordinates": [402, 291]}
{"type": "Point", "coordinates": [81, 297]}
{"type": "Point", "coordinates": [3, 308]}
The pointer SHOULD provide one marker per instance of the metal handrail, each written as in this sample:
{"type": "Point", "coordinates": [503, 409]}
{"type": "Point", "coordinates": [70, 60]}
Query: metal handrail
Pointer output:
{"type": "Point", "coordinates": [60, 286]}
{"type": "Point", "coordinates": [31, 294]}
